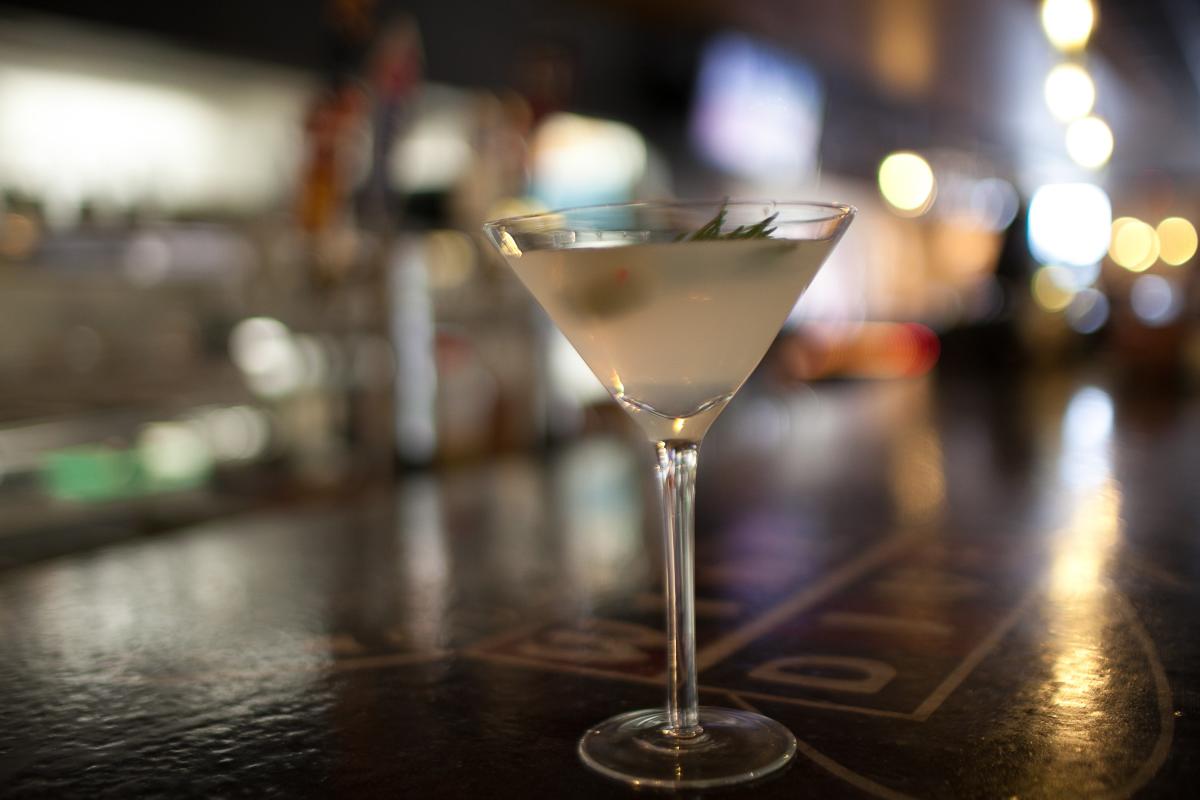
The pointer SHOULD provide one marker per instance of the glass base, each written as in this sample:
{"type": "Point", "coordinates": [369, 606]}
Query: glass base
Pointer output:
{"type": "Point", "coordinates": [735, 746]}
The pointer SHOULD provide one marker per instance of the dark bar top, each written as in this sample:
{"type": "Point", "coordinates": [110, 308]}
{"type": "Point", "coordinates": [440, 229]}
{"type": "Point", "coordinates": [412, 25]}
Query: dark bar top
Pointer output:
{"type": "Point", "coordinates": [946, 589]}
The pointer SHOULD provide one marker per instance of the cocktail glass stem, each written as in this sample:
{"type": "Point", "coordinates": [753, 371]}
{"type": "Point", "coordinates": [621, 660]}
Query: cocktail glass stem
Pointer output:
{"type": "Point", "coordinates": [677, 482]}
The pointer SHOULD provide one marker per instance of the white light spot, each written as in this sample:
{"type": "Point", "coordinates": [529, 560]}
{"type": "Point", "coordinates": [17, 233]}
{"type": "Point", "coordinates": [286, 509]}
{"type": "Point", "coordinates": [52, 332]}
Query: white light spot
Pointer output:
{"type": "Point", "coordinates": [237, 433]}
{"type": "Point", "coordinates": [173, 452]}
{"type": "Point", "coordinates": [1069, 223]}
{"type": "Point", "coordinates": [1086, 460]}
{"type": "Point", "coordinates": [1089, 418]}
{"type": "Point", "coordinates": [266, 354]}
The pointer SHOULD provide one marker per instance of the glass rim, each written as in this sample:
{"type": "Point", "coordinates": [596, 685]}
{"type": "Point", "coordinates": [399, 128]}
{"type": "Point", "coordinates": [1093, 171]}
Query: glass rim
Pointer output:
{"type": "Point", "coordinates": [839, 210]}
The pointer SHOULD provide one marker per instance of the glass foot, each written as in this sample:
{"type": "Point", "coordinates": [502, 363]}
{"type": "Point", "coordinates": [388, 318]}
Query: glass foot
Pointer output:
{"type": "Point", "coordinates": [735, 746]}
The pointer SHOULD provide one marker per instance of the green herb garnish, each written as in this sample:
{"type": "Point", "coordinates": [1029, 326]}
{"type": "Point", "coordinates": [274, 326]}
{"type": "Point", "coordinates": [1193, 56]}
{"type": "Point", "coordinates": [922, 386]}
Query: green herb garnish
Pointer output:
{"type": "Point", "coordinates": [711, 230]}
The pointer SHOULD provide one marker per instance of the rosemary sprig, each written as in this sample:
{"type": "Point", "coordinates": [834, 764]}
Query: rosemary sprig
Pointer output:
{"type": "Point", "coordinates": [711, 230]}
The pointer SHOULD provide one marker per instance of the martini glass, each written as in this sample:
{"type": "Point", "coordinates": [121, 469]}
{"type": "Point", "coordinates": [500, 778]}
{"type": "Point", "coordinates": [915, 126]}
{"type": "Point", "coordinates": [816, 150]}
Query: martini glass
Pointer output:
{"type": "Point", "coordinates": [672, 305]}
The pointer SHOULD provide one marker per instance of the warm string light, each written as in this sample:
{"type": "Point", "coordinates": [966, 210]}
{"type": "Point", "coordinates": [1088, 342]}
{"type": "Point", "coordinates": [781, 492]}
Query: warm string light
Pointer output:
{"type": "Point", "coordinates": [1155, 299]}
{"type": "Point", "coordinates": [1089, 142]}
{"type": "Point", "coordinates": [1136, 245]}
{"type": "Point", "coordinates": [1052, 288]}
{"type": "Point", "coordinates": [1177, 241]}
{"type": "Point", "coordinates": [1067, 238]}
{"type": "Point", "coordinates": [1068, 23]}
{"type": "Point", "coordinates": [906, 182]}
{"type": "Point", "coordinates": [1069, 92]}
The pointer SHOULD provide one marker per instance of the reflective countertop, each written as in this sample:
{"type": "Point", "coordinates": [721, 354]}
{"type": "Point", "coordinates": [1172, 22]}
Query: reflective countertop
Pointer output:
{"type": "Point", "coordinates": [946, 589]}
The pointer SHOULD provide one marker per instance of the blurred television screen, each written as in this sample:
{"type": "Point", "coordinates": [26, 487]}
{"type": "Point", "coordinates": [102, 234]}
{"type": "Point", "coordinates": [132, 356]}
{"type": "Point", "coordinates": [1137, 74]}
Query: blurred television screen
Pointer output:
{"type": "Point", "coordinates": [757, 111]}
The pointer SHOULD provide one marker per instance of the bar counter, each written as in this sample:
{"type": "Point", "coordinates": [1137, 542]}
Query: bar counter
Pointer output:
{"type": "Point", "coordinates": [946, 588]}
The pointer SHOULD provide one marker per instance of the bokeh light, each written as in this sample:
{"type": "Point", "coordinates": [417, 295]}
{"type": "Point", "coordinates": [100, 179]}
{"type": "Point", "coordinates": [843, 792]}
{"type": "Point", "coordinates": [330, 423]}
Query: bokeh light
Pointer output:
{"type": "Point", "coordinates": [757, 110]}
{"type": "Point", "coordinates": [1155, 302]}
{"type": "Point", "coordinates": [236, 433]}
{"type": "Point", "coordinates": [906, 182]}
{"type": "Point", "coordinates": [1069, 223]}
{"type": "Point", "coordinates": [1088, 420]}
{"type": "Point", "coordinates": [1134, 244]}
{"type": "Point", "coordinates": [74, 136]}
{"type": "Point", "coordinates": [1177, 240]}
{"type": "Point", "coordinates": [173, 453]}
{"type": "Point", "coordinates": [265, 352]}
{"type": "Point", "coordinates": [1069, 92]}
{"type": "Point", "coordinates": [436, 149]}
{"type": "Point", "coordinates": [577, 160]}
{"type": "Point", "coordinates": [1089, 142]}
{"type": "Point", "coordinates": [1068, 23]}
{"type": "Point", "coordinates": [18, 236]}
{"type": "Point", "coordinates": [1082, 276]}
{"type": "Point", "coordinates": [450, 259]}
{"type": "Point", "coordinates": [1088, 311]}
{"type": "Point", "coordinates": [994, 203]}
{"type": "Point", "coordinates": [1052, 288]}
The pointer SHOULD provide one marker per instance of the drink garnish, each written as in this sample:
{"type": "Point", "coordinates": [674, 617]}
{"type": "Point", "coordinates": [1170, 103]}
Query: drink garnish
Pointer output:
{"type": "Point", "coordinates": [711, 230]}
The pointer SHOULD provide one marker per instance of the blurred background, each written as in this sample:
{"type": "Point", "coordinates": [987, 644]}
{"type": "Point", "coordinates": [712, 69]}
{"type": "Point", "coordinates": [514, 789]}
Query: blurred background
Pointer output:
{"type": "Point", "coordinates": [240, 250]}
